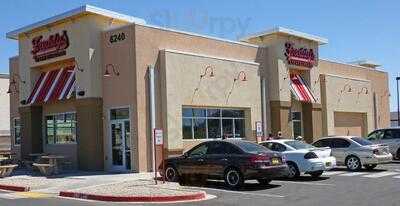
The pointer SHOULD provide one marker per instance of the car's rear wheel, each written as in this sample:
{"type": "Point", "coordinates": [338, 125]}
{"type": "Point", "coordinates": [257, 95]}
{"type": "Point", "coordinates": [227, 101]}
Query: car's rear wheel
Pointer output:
{"type": "Point", "coordinates": [353, 163]}
{"type": "Point", "coordinates": [370, 166]}
{"type": "Point", "coordinates": [264, 181]}
{"type": "Point", "coordinates": [316, 174]}
{"type": "Point", "coordinates": [293, 170]}
{"type": "Point", "coordinates": [233, 178]}
{"type": "Point", "coordinates": [171, 174]}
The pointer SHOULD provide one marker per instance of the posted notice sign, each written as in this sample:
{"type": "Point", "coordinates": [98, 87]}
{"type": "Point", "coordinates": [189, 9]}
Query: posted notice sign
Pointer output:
{"type": "Point", "coordinates": [158, 137]}
{"type": "Point", "coordinates": [259, 131]}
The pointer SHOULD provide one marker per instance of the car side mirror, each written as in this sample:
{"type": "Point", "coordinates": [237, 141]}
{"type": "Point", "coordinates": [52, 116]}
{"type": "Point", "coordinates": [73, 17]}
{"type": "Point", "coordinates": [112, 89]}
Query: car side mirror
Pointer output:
{"type": "Point", "coordinates": [185, 155]}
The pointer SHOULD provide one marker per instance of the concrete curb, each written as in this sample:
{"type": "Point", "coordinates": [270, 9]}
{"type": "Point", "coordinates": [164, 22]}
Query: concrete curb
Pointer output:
{"type": "Point", "coordinates": [14, 188]}
{"type": "Point", "coordinates": [109, 198]}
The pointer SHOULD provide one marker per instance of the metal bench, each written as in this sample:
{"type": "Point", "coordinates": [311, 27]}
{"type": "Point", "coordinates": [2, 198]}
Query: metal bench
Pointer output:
{"type": "Point", "coordinates": [6, 170]}
{"type": "Point", "coordinates": [45, 169]}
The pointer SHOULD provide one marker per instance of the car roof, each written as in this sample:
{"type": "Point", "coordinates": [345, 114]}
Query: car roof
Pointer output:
{"type": "Point", "coordinates": [342, 137]}
{"type": "Point", "coordinates": [395, 127]}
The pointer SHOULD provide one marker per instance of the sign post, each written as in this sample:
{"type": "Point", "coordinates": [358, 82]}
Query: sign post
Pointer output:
{"type": "Point", "coordinates": [158, 141]}
{"type": "Point", "coordinates": [259, 132]}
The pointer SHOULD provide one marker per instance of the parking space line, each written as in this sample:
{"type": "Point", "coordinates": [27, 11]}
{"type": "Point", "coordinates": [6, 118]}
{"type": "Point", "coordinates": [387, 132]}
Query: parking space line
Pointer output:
{"type": "Point", "coordinates": [238, 192]}
{"type": "Point", "coordinates": [329, 173]}
{"type": "Point", "coordinates": [11, 196]}
{"type": "Point", "coordinates": [381, 174]}
{"type": "Point", "coordinates": [350, 174]}
{"type": "Point", "coordinates": [397, 177]}
{"type": "Point", "coordinates": [304, 183]}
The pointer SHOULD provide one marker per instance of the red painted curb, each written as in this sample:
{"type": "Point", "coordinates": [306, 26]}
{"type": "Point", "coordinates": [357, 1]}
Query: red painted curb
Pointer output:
{"type": "Point", "coordinates": [14, 188]}
{"type": "Point", "coordinates": [195, 196]}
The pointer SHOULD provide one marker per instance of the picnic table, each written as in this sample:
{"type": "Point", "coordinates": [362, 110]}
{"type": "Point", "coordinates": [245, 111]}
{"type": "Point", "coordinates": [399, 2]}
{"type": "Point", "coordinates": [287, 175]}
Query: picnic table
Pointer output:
{"type": "Point", "coordinates": [53, 161]}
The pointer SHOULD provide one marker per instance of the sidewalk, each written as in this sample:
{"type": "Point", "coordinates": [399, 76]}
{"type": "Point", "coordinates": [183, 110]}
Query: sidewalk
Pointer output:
{"type": "Point", "coordinates": [136, 191]}
{"type": "Point", "coordinates": [126, 187]}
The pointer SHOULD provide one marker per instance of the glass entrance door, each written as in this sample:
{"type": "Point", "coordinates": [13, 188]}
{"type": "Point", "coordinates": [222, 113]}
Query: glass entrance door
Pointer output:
{"type": "Point", "coordinates": [120, 145]}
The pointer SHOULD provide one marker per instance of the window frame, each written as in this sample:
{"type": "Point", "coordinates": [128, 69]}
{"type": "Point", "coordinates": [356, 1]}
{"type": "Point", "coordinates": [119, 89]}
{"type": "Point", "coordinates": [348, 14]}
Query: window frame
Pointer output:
{"type": "Point", "coordinates": [55, 129]}
{"type": "Point", "coordinates": [220, 118]}
{"type": "Point", "coordinates": [297, 121]}
{"type": "Point", "coordinates": [14, 131]}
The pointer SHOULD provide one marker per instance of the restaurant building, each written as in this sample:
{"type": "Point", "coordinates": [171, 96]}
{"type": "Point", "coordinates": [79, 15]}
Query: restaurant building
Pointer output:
{"type": "Point", "coordinates": [93, 84]}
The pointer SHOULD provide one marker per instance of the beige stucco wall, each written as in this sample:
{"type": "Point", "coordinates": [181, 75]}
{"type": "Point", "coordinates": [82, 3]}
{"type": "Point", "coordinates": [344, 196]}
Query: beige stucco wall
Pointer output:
{"type": "Point", "coordinates": [218, 91]}
{"type": "Point", "coordinates": [148, 42]}
{"type": "Point", "coordinates": [119, 91]}
{"type": "Point", "coordinates": [14, 102]}
{"type": "Point", "coordinates": [4, 105]}
{"type": "Point", "coordinates": [379, 88]}
{"type": "Point", "coordinates": [338, 98]}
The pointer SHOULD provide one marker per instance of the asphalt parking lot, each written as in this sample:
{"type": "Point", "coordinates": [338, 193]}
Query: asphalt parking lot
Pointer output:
{"type": "Point", "coordinates": [338, 187]}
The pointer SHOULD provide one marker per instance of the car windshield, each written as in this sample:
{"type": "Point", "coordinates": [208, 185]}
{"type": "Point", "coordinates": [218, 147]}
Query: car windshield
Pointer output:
{"type": "Point", "coordinates": [253, 148]}
{"type": "Point", "coordinates": [361, 141]}
{"type": "Point", "coordinates": [299, 145]}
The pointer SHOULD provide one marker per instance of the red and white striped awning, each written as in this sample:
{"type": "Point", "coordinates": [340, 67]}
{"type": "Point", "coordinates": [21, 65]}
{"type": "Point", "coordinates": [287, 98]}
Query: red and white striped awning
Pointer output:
{"type": "Point", "coordinates": [53, 85]}
{"type": "Point", "coordinates": [300, 90]}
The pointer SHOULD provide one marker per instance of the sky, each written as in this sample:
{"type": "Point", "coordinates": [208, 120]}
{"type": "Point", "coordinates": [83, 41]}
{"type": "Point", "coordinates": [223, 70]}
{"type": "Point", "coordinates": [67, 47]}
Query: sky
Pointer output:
{"type": "Point", "coordinates": [355, 29]}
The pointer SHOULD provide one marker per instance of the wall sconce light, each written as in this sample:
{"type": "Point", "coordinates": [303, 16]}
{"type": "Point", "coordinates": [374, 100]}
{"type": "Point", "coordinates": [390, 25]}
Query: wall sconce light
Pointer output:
{"type": "Point", "coordinates": [107, 72]}
{"type": "Point", "coordinates": [362, 89]}
{"type": "Point", "coordinates": [241, 76]}
{"type": "Point", "coordinates": [81, 93]}
{"type": "Point", "coordinates": [346, 90]}
{"type": "Point", "coordinates": [79, 69]}
{"type": "Point", "coordinates": [209, 67]}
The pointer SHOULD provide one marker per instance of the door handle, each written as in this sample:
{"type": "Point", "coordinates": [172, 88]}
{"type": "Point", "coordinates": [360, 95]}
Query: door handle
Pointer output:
{"type": "Point", "coordinates": [224, 159]}
{"type": "Point", "coordinates": [200, 160]}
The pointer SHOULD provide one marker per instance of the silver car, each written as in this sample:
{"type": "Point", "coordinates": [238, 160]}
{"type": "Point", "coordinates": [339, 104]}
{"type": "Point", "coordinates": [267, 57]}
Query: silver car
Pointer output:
{"type": "Point", "coordinates": [389, 137]}
{"type": "Point", "coordinates": [355, 152]}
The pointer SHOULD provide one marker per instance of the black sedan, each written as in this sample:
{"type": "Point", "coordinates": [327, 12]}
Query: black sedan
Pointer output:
{"type": "Point", "coordinates": [234, 161]}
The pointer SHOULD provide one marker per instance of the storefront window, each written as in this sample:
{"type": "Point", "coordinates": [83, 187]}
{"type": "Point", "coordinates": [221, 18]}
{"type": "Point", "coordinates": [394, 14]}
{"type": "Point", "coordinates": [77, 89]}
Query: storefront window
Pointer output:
{"type": "Point", "coordinates": [17, 131]}
{"type": "Point", "coordinates": [212, 123]}
{"type": "Point", "coordinates": [297, 127]}
{"type": "Point", "coordinates": [122, 113]}
{"type": "Point", "coordinates": [61, 128]}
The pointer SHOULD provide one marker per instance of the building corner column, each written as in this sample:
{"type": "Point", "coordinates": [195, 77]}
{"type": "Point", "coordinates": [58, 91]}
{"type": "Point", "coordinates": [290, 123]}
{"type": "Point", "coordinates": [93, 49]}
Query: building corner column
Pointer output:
{"type": "Point", "coordinates": [31, 130]}
{"type": "Point", "coordinates": [312, 121]}
{"type": "Point", "coordinates": [89, 116]}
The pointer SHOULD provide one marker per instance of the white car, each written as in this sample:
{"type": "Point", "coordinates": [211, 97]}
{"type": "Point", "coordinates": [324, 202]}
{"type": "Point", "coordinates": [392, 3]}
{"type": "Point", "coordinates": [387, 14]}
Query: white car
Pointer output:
{"type": "Point", "coordinates": [389, 137]}
{"type": "Point", "coordinates": [302, 158]}
{"type": "Point", "coordinates": [355, 152]}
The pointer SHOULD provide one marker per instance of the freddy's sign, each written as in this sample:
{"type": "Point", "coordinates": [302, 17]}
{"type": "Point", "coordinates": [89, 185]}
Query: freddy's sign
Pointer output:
{"type": "Point", "coordinates": [299, 56]}
{"type": "Point", "coordinates": [54, 46]}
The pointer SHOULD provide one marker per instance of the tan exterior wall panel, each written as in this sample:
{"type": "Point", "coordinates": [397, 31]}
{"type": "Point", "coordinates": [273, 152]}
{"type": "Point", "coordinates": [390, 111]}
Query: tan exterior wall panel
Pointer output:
{"type": "Point", "coordinates": [119, 91]}
{"type": "Point", "coordinates": [347, 95]}
{"type": "Point", "coordinates": [349, 123]}
{"type": "Point", "coordinates": [218, 91]}
{"type": "Point", "coordinates": [148, 42]}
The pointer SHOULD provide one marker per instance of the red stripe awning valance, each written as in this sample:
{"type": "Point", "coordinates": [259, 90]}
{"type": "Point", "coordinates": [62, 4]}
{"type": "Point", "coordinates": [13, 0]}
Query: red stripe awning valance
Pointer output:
{"type": "Point", "coordinates": [53, 85]}
{"type": "Point", "coordinates": [300, 90]}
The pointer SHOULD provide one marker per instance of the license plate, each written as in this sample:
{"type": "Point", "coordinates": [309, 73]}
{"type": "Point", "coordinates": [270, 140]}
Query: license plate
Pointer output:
{"type": "Point", "coordinates": [328, 164]}
{"type": "Point", "coordinates": [275, 161]}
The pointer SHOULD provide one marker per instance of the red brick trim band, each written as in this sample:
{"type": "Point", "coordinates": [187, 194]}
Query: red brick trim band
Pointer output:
{"type": "Point", "coordinates": [14, 188]}
{"type": "Point", "coordinates": [109, 198]}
